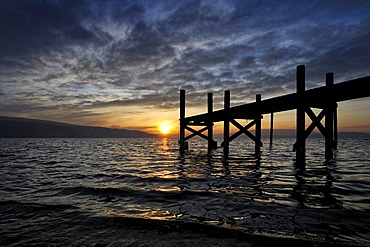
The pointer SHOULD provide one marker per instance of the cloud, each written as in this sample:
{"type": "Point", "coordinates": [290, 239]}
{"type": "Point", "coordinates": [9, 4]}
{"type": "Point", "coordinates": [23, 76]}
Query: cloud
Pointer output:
{"type": "Point", "coordinates": [348, 56]}
{"type": "Point", "coordinates": [87, 55]}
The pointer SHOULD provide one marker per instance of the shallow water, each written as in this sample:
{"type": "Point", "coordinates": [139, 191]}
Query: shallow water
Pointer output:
{"type": "Point", "coordinates": [54, 191]}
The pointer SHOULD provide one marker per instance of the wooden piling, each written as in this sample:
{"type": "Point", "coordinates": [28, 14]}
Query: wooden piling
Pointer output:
{"type": "Point", "coordinates": [335, 126]}
{"type": "Point", "coordinates": [226, 124]}
{"type": "Point", "coordinates": [257, 147]}
{"type": "Point", "coordinates": [211, 143]}
{"type": "Point", "coordinates": [182, 121]}
{"type": "Point", "coordinates": [300, 114]}
{"type": "Point", "coordinates": [329, 118]}
{"type": "Point", "coordinates": [271, 127]}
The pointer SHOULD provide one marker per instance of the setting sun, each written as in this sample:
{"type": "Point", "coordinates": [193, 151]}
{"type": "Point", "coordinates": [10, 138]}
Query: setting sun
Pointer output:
{"type": "Point", "coordinates": [165, 128]}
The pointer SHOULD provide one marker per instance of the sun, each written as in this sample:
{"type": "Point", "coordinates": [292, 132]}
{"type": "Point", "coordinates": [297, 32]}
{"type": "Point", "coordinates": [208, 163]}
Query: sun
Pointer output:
{"type": "Point", "coordinates": [165, 128]}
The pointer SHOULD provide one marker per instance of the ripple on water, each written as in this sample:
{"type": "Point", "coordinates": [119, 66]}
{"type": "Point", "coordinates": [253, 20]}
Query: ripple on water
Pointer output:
{"type": "Point", "coordinates": [118, 177]}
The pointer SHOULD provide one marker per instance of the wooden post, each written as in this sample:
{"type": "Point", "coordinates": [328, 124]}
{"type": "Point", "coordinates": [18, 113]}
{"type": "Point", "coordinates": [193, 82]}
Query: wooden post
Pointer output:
{"type": "Point", "coordinates": [300, 118]}
{"type": "Point", "coordinates": [329, 112]}
{"type": "Point", "coordinates": [257, 120]}
{"type": "Point", "coordinates": [226, 124]}
{"type": "Point", "coordinates": [336, 127]}
{"type": "Point", "coordinates": [182, 123]}
{"type": "Point", "coordinates": [211, 143]}
{"type": "Point", "coordinates": [271, 127]}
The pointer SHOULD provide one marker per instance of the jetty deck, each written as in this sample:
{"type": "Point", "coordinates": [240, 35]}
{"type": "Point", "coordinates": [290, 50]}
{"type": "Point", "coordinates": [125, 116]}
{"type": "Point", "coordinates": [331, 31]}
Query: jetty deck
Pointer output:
{"type": "Point", "coordinates": [316, 98]}
{"type": "Point", "coordinates": [325, 98]}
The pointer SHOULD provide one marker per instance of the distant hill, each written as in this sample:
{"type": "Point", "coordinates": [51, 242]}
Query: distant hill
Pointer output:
{"type": "Point", "coordinates": [34, 128]}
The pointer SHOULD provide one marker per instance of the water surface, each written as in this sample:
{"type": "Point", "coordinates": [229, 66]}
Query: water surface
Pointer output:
{"type": "Point", "coordinates": [53, 191]}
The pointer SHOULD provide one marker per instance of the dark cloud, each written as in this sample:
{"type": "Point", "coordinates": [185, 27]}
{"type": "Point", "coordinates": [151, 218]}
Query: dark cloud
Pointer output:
{"type": "Point", "coordinates": [85, 54]}
{"type": "Point", "coordinates": [348, 56]}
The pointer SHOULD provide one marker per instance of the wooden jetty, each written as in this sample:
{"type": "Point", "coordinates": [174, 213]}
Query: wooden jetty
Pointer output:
{"type": "Point", "coordinates": [324, 98]}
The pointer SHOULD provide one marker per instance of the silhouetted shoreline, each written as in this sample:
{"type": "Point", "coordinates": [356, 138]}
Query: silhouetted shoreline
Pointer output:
{"type": "Point", "coordinates": [11, 127]}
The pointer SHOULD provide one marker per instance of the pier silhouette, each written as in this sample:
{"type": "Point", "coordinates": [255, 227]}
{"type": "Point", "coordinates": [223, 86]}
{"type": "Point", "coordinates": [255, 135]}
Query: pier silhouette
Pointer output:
{"type": "Point", "coordinates": [324, 98]}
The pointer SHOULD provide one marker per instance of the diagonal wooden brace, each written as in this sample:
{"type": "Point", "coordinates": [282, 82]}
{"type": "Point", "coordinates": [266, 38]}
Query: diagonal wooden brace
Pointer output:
{"type": "Point", "coordinates": [196, 133]}
{"type": "Point", "coordinates": [315, 121]}
{"type": "Point", "coordinates": [242, 130]}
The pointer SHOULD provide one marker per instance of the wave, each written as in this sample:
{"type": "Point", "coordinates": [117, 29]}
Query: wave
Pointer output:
{"type": "Point", "coordinates": [95, 186]}
{"type": "Point", "coordinates": [140, 194]}
{"type": "Point", "coordinates": [66, 225]}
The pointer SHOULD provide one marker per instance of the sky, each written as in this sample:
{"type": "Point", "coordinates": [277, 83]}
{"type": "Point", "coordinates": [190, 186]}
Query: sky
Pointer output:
{"type": "Point", "coordinates": [122, 64]}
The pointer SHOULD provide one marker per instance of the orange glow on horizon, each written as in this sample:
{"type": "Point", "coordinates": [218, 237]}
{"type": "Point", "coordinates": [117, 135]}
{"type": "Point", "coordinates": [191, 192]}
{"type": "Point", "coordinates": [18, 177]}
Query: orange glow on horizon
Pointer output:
{"type": "Point", "coordinates": [352, 117]}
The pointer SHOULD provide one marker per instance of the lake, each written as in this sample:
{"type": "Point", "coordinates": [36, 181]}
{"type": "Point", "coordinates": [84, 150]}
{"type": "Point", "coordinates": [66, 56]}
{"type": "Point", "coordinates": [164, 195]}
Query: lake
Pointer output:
{"type": "Point", "coordinates": [142, 192]}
